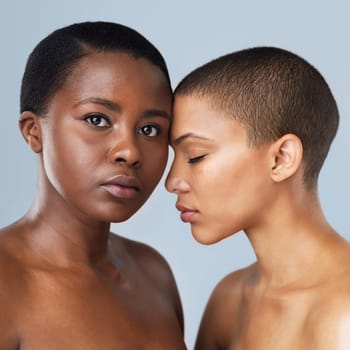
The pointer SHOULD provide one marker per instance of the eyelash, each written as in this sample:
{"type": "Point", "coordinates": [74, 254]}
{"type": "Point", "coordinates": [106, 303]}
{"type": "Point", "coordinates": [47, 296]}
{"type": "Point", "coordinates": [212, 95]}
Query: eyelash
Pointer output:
{"type": "Point", "coordinates": [100, 117]}
{"type": "Point", "coordinates": [141, 130]}
{"type": "Point", "coordinates": [196, 159]}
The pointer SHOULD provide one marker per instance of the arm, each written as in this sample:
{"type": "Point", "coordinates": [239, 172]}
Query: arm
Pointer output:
{"type": "Point", "coordinates": [219, 328]}
{"type": "Point", "coordinates": [159, 272]}
{"type": "Point", "coordinates": [333, 330]}
{"type": "Point", "coordinates": [9, 300]}
{"type": "Point", "coordinates": [344, 333]}
{"type": "Point", "coordinates": [207, 337]}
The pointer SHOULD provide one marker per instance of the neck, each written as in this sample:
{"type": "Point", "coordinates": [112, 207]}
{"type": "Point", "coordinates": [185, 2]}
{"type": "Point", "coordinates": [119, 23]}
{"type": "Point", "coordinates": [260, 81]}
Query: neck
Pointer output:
{"type": "Point", "coordinates": [62, 236]}
{"type": "Point", "coordinates": [290, 243]}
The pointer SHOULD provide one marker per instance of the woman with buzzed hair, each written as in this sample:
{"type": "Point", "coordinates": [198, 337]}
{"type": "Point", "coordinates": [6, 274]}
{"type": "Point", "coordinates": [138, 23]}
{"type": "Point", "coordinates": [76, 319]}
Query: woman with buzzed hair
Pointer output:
{"type": "Point", "coordinates": [250, 132]}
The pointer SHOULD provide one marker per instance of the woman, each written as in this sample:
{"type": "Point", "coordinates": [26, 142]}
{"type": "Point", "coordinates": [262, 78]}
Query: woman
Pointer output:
{"type": "Point", "coordinates": [250, 131]}
{"type": "Point", "coordinates": [95, 108]}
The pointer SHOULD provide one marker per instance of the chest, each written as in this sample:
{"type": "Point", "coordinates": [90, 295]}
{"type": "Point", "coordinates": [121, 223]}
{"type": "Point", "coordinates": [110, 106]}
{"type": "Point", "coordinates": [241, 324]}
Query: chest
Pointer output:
{"type": "Point", "coordinates": [99, 314]}
{"type": "Point", "coordinates": [272, 324]}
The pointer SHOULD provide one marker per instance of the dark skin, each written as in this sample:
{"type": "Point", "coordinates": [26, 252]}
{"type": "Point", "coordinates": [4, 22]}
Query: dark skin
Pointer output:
{"type": "Point", "coordinates": [67, 281]}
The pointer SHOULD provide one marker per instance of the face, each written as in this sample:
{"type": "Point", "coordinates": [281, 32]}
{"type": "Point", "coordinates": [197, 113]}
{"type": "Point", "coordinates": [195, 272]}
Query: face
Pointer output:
{"type": "Point", "coordinates": [105, 136]}
{"type": "Point", "coordinates": [222, 185]}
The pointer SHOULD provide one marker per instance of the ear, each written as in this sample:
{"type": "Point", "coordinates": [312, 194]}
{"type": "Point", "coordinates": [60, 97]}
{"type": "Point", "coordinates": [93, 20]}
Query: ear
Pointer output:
{"type": "Point", "coordinates": [287, 154]}
{"type": "Point", "coordinates": [29, 124]}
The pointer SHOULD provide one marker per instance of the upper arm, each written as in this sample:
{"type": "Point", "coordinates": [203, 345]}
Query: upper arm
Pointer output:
{"type": "Point", "coordinates": [10, 300]}
{"type": "Point", "coordinates": [207, 337]}
{"type": "Point", "coordinates": [159, 272]}
{"type": "Point", "coordinates": [344, 333]}
{"type": "Point", "coordinates": [328, 323]}
{"type": "Point", "coordinates": [220, 318]}
{"type": "Point", "coordinates": [164, 278]}
{"type": "Point", "coordinates": [333, 330]}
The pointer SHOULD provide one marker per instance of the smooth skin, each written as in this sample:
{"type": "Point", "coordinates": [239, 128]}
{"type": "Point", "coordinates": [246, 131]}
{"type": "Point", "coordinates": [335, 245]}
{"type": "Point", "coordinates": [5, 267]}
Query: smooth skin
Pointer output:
{"type": "Point", "coordinates": [66, 281]}
{"type": "Point", "coordinates": [296, 296]}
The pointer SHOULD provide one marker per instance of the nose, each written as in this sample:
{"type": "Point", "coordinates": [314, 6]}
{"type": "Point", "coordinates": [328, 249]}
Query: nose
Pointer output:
{"type": "Point", "coordinates": [126, 151]}
{"type": "Point", "coordinates": [174, 183]}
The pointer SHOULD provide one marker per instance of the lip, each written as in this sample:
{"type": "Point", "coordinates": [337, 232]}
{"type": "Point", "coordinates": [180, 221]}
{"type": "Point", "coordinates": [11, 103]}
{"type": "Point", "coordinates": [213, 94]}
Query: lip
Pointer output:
{"type": "Point", "coordinates": [187, 213]}
{"type": "Point", "coordinates": [123, 186]}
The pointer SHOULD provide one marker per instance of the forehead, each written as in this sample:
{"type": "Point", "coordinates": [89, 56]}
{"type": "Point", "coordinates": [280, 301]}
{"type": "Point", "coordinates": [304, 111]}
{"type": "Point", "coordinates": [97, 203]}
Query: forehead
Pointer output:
{"type": "Point", "coordinates": [111, 73]}
{"type": "Point", "coordinates": [195, 116]}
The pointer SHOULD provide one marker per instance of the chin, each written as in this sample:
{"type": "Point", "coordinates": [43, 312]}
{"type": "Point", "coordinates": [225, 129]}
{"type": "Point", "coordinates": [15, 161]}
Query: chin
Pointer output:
{"type": "Point", "coordinates": [121, 217]}
{"type": "Point", "coordinates": [121, 213]}
{"type": "Point", "coordinates": [206, 236]}
{"type": "Point", "coordinates": [114, 217]}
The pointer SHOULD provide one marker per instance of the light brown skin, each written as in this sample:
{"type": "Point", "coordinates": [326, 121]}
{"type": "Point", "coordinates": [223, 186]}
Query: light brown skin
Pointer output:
{"type": "Point", "coordinates": [297, 294]}
{"type": "Point", "coordinates": [66, 281]}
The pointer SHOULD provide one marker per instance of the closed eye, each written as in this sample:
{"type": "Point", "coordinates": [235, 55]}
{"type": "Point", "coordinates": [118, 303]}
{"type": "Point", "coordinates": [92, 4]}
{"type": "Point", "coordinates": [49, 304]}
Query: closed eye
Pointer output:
{"type": "Point", "coordinates": [98, 120]}
{"type": "Point", "coordinates": [149, 130]}
{"type": "Point", "coordinates": [196, 159]}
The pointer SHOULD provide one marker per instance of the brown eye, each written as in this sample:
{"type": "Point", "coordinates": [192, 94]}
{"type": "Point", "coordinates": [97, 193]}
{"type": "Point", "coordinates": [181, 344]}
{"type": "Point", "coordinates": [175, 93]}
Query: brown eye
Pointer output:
{"type": "Point", "coordinates": [97, 120]}
{"type": "Point", "coordinates": [149, 130]}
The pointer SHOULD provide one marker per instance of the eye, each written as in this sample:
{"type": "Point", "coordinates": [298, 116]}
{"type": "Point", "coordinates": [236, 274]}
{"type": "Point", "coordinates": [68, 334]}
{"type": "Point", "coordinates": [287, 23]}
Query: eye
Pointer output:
{"type": "Point", "coordinates": [196, 159]}
{"type": "Point", "coordinates": [149, 130]}
{"type": "Point", "coordinates": [97, 120]}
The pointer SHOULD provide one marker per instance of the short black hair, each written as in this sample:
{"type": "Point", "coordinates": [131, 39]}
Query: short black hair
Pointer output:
{"type": "Point", "coordinates": [273, 92]}
{"type": "Point", "coordinates": [55, 56]}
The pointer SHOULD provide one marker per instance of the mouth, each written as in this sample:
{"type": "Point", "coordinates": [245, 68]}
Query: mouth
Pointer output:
{"type": "Point", "coordinates": [187, 213]}
{"type": "Point", "coordinates": [123, 186]}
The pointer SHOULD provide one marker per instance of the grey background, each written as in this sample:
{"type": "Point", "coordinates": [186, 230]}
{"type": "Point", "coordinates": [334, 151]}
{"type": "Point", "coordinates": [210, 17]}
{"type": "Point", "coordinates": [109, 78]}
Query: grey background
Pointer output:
{"type": "Point", "coordinates": [188, 33]}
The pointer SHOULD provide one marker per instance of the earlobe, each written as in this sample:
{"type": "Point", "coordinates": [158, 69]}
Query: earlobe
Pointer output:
{"type": "Point", "coordinates": [287, 153]}
{"type": "Point", "coordinates": [30, 128]}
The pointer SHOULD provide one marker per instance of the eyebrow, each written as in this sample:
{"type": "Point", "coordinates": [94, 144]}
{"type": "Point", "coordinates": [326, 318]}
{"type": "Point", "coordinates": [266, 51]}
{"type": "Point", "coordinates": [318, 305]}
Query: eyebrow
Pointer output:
{"type": "Point", "coordinates": [183, 137]}
{"type": "Point", "coordinates": [150, 113]}
{"type": "Point", "coordinates": [99, 101]}
{"type": "Point", "coordinates": [117, 108]}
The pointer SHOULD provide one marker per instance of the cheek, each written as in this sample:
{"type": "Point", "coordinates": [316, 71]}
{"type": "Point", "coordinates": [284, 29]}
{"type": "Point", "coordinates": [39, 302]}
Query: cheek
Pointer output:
{"type": "Point", "coordinates": [67, 159]}
{"type": "Point", "coordinates": [215, 179]}
{"type": "Point", "coordinates": [154, 163]}
{"type": "Point", "coordinates": [230, 196]}
{"type": "Point", "coordinates": [223, 188]}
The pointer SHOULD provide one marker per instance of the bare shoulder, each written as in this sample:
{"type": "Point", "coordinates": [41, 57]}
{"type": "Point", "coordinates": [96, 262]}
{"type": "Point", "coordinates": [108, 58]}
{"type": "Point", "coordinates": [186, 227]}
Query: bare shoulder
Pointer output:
{"type": "Point", "coordinates": [8, 261]}
{"type": "Point", "coordinates": [154, 267]}
{"type": "Point", "coordinates": [12, 271]}
{"type": "Point", "coordinates": [12, 290]}
{"type": "Point", "coordinates": [147, 258]}
{"type": "Point", "coordinates": [329, 316]}
{"type": "Point", "coordinates": [228, 293]}
{"type": "Point", "coordinates": [329, 324]}
{"type": "Point", "coordinates": [219, 321]}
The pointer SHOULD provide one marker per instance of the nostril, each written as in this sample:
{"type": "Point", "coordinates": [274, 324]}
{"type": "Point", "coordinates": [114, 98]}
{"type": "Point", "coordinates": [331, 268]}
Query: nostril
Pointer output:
{"type": "Point", "coordinates": [136, 163]}
{"type": "Point", "coordinates": [126, 151]}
